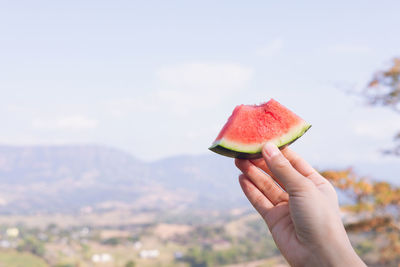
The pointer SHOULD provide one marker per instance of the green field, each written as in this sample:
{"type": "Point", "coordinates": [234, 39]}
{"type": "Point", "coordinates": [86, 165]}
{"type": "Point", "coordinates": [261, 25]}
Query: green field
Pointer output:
{"type": "Point", "coordinates": [16, 259]}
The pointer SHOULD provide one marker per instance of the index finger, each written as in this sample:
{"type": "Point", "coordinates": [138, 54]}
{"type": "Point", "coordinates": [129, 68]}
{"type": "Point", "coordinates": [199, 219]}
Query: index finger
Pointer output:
{"type": "Point", "coordinates": [282, 170]}
{"type": "Point", "coordinates": [262, 164]}
{"type": "Point", "coordinates": [298, 162]}
{"type": "Point", "coordinates": [262, 181]}
{"type": "Point", "coordinates": [303, 166]}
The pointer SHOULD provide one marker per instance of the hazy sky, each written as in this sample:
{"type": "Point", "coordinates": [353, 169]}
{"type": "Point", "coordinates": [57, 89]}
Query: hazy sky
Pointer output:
{"type": "Point", "coordinates": [159, 78]}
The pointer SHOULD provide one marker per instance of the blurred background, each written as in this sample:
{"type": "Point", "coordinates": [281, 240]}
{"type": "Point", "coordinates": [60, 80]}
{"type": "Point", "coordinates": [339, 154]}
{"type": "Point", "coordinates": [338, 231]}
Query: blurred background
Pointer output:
{"type": "Point", "coordinates": [108, 107]}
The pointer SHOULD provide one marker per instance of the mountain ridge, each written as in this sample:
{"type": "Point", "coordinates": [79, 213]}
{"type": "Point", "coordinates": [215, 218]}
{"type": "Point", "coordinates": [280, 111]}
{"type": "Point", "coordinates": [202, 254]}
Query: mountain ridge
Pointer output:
{"type": "Point", "coordinates": [67, 178]}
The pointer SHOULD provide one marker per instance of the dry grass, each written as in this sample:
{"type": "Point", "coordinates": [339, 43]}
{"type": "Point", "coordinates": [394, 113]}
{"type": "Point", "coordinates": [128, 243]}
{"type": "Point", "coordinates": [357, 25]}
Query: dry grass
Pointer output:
{"type": "Point", "coordinates": [166, 231]}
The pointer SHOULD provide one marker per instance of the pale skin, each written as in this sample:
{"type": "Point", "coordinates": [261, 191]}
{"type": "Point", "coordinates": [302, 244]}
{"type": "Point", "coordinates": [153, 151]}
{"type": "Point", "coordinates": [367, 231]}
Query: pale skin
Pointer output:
{"type": "Point", "coordinates": [300, 208]}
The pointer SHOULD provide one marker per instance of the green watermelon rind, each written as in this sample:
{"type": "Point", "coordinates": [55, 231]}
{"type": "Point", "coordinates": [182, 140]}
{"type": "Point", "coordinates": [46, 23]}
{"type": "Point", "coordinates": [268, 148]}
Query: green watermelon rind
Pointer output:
{"type": "Point", "coordinates": [242, 151]}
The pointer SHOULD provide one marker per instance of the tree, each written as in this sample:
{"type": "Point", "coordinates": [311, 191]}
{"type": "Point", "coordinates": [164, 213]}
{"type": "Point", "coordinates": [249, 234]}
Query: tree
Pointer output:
{"type": "Point", "coordinates": [32, 245]}
{"type": "Point", "coordinates": [130, 264]}
{"type": "Point", "coordinates": [384, 90]}
{"type": "Point", "coordinates": [376, 205]}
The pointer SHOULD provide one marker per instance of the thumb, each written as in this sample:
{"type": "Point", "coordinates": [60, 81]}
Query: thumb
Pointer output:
{"type": "Point", "coordinates": [283, 171]}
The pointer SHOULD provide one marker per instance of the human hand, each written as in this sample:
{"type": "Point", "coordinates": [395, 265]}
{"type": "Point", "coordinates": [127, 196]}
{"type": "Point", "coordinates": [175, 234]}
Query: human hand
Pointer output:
{"type": "Point", "coordinates": [302, 212]}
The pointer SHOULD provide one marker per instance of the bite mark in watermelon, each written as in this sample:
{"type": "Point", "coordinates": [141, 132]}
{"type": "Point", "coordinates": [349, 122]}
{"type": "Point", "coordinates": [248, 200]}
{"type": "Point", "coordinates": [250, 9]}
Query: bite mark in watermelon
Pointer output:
{"type": "Point", "coordinates": [251, 126]}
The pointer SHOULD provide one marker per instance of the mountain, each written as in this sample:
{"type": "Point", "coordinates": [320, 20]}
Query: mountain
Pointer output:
{"type": "Point", "coordinates": [211, 178]}
{"type": "Point", "coordinates": [69, 178]}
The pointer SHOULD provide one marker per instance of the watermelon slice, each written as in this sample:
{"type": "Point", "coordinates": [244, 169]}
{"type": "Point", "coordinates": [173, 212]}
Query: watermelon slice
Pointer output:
{"type": "Point", "coordinates": [251, 126]}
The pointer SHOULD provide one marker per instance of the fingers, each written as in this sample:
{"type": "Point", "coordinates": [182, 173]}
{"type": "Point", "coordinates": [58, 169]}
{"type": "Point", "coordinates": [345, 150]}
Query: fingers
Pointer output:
{"type": "Point", "coordinates": [260, 202]}
{"type": "Point", "coordinates": [303, 167]}
{"type": "Point", "coordinates": [262, 164]}
{"type": "Point", "coordinates": [263, 182]}
{"type": "Point", "coordinates": [292, 180]}
{"type": "Point", "coordinates": [297, 162]}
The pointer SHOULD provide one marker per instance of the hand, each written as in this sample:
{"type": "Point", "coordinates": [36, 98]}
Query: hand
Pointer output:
{"type": "Point", "coordinates": [302, 212]}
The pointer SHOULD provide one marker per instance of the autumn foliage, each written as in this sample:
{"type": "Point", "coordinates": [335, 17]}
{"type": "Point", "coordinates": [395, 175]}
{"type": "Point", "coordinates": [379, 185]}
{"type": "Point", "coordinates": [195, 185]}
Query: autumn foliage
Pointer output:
{"type": "Point", "coordinates": [375, 206]}
{"type": "Point", "coordinates": [384, 90]}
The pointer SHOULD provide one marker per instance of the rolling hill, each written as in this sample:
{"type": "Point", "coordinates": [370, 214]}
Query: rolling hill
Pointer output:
{"type": "Point", "coordinates": [69, 178]}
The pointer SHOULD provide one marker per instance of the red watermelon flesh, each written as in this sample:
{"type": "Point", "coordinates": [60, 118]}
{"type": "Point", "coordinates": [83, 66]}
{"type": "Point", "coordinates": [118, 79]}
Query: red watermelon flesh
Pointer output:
{"type": "Point", "coordinates": [251, 126]}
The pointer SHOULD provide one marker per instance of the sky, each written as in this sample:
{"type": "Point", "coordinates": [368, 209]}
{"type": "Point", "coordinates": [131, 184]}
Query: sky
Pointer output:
{"type": "Point", "coordinates": [160, 78]}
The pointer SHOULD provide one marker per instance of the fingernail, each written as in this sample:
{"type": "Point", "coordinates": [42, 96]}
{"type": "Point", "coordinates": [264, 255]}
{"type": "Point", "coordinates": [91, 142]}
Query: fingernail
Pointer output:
{"type": "Point", "coordinates": [271, 149]}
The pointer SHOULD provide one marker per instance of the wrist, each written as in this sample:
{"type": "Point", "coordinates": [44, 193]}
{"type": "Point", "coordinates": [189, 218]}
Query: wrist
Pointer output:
{"type": "Point", "coordinates": [343, 256]}
{"type": "Point", "coordinates": [337, 252]}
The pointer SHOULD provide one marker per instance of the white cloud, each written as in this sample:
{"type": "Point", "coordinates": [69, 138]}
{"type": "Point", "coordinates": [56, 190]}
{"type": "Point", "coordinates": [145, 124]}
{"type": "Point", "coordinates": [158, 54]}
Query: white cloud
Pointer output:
{"type": "Point", "coordinates": [178, 102]}
{"type": "Point", "coordinates": [272, 48]}
{"type": "Point", "coordinates": [186, 87]}
{"type": "Point", "coordinates": [200, 84]}
{"type": "Point", "coordinates": [14, 108]}
{"type": "Point", "coordinates": [381, 130]}
{"type": "Point", "coordinates": [124, 106]}
{"type": "Point", "coordinates": [205, 76]}
{"type": "Point", "coordinates": [75, 122]}
{"type": "Point", "coordinates": [349, 49]}
{"type": "Point", "coordinates": [31, 139]}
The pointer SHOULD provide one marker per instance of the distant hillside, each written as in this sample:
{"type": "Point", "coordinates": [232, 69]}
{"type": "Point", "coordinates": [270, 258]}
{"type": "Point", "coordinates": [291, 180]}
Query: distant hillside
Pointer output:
{"type": "Point", "coordinates": [69, 178]}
